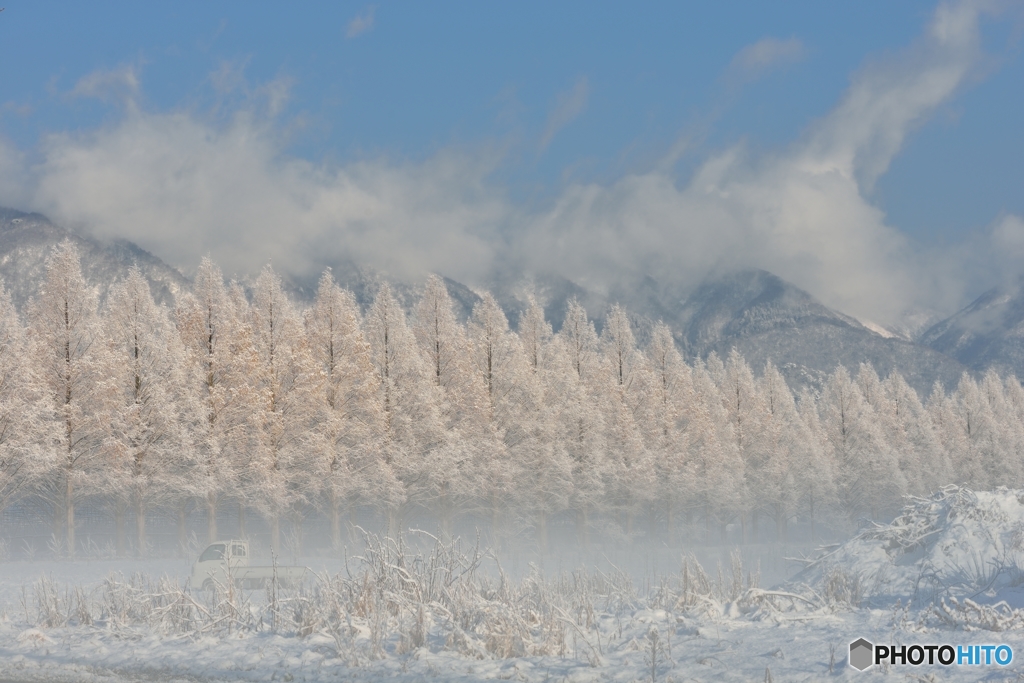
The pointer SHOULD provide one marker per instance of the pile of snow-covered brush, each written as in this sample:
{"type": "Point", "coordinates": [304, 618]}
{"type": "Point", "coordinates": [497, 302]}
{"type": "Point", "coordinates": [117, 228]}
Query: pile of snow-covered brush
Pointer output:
{"type": "Point", "coordinates": [730, 594]}
{"type": "Point", "coordinates": [956, 543]}
{"type": "Point", "coordinates": [969, 615]}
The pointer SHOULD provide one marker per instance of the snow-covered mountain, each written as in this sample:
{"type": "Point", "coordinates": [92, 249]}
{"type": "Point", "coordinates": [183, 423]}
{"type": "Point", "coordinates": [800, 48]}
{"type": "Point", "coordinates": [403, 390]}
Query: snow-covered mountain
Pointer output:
{"type": "Point", "coordinates": [759, 314]}
{"type": "Point", "coordinates": [766, 318]}
{"type": "Point", "coordinates": [26, 239]}
{"type": "Point", "coordinates": [988, 333]}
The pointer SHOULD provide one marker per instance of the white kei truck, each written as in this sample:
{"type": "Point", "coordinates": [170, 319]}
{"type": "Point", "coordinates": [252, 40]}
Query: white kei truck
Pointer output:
{"type": "Point", "coordinates": [229, 560]}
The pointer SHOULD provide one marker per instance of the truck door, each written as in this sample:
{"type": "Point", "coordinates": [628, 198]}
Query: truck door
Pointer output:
{"type": "Point", "coordinates": [238, 555]}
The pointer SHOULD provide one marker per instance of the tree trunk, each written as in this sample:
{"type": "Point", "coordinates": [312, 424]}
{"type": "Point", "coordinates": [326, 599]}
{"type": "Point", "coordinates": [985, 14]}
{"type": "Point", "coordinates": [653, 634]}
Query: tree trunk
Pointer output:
{"type": "Point", "coordinates": [670, 523]}
{"type": "Point", "coordinates": [392, 522]}
{"type": "Point", "coordinates": [335, 521]}
{"type": "Point", "coordinates": [69, 509]}
{"type": "Point", "coordinates": [241, 520]}
{"type": "Point", "coordinates": [141, 548]}
{"type": "Point", "coordinates": [275, 533]}
{"type": "Point", "coordinates": [120, 533]}
{"type": "Point", "coordinates": [182, 528]}
{"type": "Point", "coordinates": [495, 520]}
{"type": "Point", "coordinates": [780, 527]}
{"type": "Point", "coordinates": [542, 531]}
{"type": "Point", "coordinates": [812, 519]}
{"type": "Point", "coordinates": [297, 533]}
{"type": "Point", "coordinates": [707, 525]}
{"type": "Point", "coordinates": [211, 517]}
{"type": "Point", "coordinates": [582, 532]}
{"type": "Point", "coordinates": [444, 510]}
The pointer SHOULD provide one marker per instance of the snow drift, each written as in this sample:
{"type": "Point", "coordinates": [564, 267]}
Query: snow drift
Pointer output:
{"type": "Point", "coordinates": [956, 544]}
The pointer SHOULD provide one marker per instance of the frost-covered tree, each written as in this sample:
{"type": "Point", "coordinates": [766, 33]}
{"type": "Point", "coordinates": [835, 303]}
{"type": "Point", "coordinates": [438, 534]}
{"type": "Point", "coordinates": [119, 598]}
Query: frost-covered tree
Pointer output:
{"type": "Point", "coordinates": [869, 480]}
{"type": "Point", "coordinates": [581, 428]}
{"type": "Point", "coordinates": [744, 412]}
{"type": "Point", "coordinates": [623, 390]}
{"type": "Point", "coordinates": [149, 448]}
{"type": "Point", "coordinates": [714, 465]}
{"type": "Point", "coordinates": [26, 451]}
{"type": "Point", "coordinates": [671, 391]}
{"type": "Point", "coordinates": [74, 371]}
{"type": "Point", "coordinates": [345, 401]}
{"type": "Point", "coordinates": [459, 399]}
{"type": "Point", "coordinates": [411, 427]}
{"type": "Point", "coordinates": [1013, 416]}
{"type": "Point", "coordinates": [815, 474]}
{"type": "Point", "coordinates": [220, 357]}
{"type": "Point", "coordinates": [282, 380]}
{"type": "Point", "coordinates": [981, 463]}
{"type": "Point", "coordinates": [534, 333]}
{"type": "Point", "coordinates": [909, 431]}
{"type": "Point", "coordinates": [786, 446]}
{"type": "Point", "coordinates": [444, 345]}
{"type": "Point", "coordinates": [500, 369]}
{"type": "Point", "coordinates": [545, 465]}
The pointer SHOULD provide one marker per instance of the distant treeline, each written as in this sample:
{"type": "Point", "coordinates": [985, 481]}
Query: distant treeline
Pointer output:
{"type": "Point", "coordinates": [227, 400]}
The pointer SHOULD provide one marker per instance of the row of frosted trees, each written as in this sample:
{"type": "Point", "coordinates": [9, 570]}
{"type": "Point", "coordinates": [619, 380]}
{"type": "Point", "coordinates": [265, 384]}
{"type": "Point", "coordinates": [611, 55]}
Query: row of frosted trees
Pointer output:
{"type": "Point", "coordinates": [247, 401]}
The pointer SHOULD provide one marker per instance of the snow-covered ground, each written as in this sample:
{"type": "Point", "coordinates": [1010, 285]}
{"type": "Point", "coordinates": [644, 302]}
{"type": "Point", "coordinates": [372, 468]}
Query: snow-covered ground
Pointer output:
{"type": "Point", "coordinates": [948, 570]}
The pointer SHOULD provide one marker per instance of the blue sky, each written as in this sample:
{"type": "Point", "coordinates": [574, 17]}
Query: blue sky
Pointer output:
{"type": "Point", "coordinates": [477, 132]}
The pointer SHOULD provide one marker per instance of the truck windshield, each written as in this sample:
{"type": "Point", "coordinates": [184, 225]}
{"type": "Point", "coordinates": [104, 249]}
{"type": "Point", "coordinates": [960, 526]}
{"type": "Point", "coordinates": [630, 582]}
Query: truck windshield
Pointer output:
{"type": "Point", "coordinates": [214, 552]}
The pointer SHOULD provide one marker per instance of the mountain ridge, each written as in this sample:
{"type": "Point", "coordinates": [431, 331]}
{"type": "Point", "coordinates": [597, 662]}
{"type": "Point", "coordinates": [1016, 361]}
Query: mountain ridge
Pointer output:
{"type": "Point", "coordinates": [758, 313]}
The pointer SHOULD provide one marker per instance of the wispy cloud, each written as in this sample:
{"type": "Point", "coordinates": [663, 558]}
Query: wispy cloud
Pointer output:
{"type": "Point", "coordinates": [569, 105]}
{"type": "Point", "coordinates": [231, 86]}
{"type": "Point", "coordinates": [802, 213]}
{"type": "Point", "coordinates": [120, 85]}
{"type": "Point", "coordinates": [764, 55]}
{"type": "Point", "coordinates": [361, 23]}
{"type": "Point", "coordinates": [183, 187]}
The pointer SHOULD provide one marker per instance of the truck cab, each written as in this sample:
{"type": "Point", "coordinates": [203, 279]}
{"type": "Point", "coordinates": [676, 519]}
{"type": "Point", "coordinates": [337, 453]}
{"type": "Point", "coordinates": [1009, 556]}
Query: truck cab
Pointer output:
{"type": "Point", "coordinates": [218, 560]}
{"type": "Point", "coordinates": [229, 561]}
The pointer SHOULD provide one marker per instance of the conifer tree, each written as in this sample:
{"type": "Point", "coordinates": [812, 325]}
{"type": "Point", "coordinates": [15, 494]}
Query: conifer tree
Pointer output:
{"type": "Point", "coordinates": [868, 477]}
{"type": "Point", "coordinates": [149, 447]}
{"type": "Point", "coordinates": [345, 401]}
{"type": "Point", "coordinates": [582, 422]}
{"type": "Point", "coordinates": [74, 371]}
{"type": "Point", "coordinates": [410, 423]}
{"type": "Point", "coordinates": [283, 384]}
{"type": "Point", "coordinates": [27, 452]}
{"type": "Point", "coordinates": [458, 397]}
{"type": "Point", "coordinates": [671, 389]}
{"type": "Point", "coordinates": [220, 355]}
{"type": "Point", "coordinates": [623, 392]}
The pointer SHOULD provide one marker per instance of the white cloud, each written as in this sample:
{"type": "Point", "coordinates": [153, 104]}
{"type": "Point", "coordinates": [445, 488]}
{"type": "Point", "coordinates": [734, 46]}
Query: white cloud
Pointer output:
{"type": "Point", "coordinates": [361, 23]}
{"type": "Point", "coordinates": [569, 105]}
{"type": "Point", "coordinates": [15, 184]}
{"type": "Point", "coordinates": [184, 187]}
{"type": "Point", "coordinates": [801, 213]}
{"type": "Point", "coordinates": [119, 85]}
{"type": "Point", "coordinates": [764, 55]}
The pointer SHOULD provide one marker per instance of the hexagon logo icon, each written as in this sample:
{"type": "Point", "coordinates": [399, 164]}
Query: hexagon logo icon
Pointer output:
{"type": "Point", "coordinates": [861, 654]}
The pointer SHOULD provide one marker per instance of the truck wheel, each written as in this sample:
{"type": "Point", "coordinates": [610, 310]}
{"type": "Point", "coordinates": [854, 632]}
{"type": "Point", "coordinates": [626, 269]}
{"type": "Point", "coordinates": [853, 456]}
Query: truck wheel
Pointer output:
{"type": "Point", "coordinates": [208, 585]}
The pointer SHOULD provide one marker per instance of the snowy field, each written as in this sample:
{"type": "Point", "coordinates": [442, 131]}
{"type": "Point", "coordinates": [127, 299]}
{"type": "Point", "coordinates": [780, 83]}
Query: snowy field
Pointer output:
{"type": "Point", "coordinates": [948, 570]}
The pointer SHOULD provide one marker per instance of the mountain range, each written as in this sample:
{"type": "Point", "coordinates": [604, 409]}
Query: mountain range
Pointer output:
{"type": "Point", "coordinates": [761, 315]}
